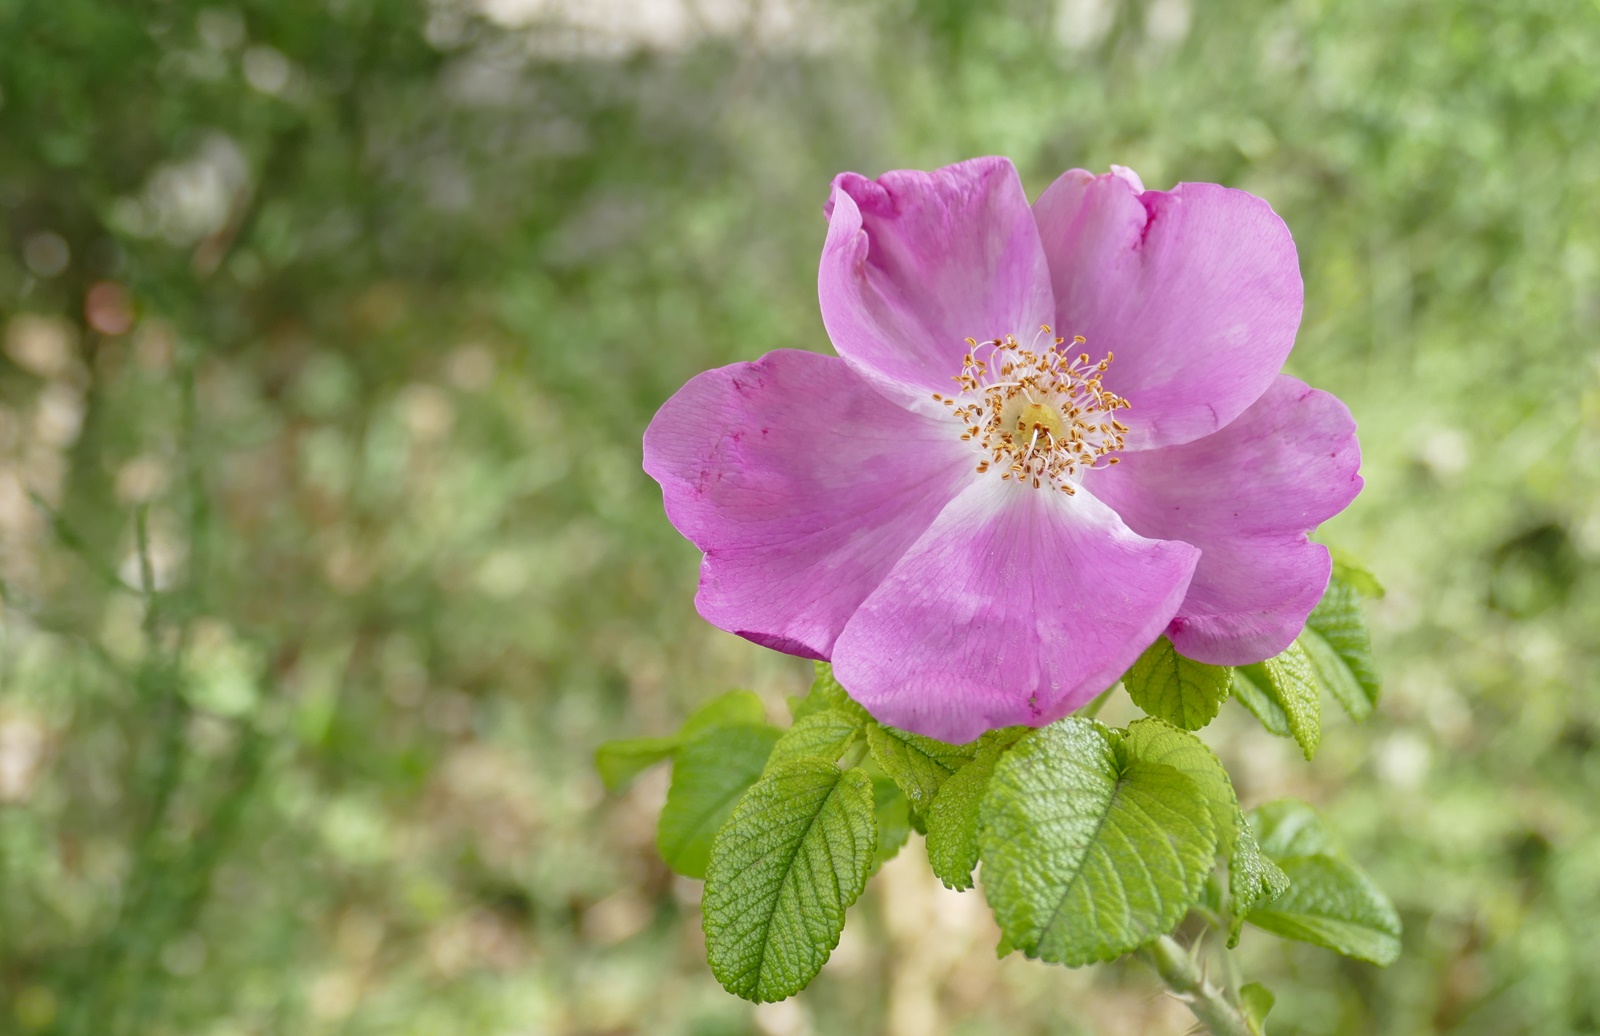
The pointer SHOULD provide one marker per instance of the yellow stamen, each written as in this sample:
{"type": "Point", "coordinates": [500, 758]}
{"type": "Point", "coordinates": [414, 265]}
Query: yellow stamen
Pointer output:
{"type": "Point", "coordinates": [1044, 417]}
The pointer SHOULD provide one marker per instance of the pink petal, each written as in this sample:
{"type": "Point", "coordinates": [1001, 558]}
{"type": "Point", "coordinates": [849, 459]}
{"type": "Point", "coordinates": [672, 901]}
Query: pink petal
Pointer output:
{"type": "Point", "coordinates": [1016, 606]}
{"type": "Point", "coordinates": [1246, 496]}
{"type": "Point", "coordinates": [803, 486]}
{"type": "Point", "coordinates": [915, 263]}
{"type": "Point", "coordinates": [1196, 290]}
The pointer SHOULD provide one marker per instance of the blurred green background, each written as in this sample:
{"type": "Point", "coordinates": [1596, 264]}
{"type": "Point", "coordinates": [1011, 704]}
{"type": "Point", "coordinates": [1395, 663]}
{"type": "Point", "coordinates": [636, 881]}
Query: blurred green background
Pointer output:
{"type": "Point", "coordinates": [330, 331]}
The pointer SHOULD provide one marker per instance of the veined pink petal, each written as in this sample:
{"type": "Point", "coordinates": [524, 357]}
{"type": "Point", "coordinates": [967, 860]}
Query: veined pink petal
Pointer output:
{"type": "Point", "coordinates": [1016, 606]}
{"type": "Point", "coordinates": [915, 263]}
{"type": "Point", "coordinates": [1196, 290]}
{"type": "Point", "coordinates": [1246, 496]}
{"type": "Point", "coordinates": [803, 486]}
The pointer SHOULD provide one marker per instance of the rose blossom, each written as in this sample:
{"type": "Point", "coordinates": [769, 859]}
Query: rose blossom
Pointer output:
{"type": "Point", "coordinates": [1051, 435]}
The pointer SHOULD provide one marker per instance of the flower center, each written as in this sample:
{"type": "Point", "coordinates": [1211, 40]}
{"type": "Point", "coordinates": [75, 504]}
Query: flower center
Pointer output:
{"type": "Point", "coordinates": [1040, 416]}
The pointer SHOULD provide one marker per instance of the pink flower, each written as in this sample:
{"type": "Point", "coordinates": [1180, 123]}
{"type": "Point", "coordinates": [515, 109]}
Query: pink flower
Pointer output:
{"type": "Point", "coordinates": [1051, 434]}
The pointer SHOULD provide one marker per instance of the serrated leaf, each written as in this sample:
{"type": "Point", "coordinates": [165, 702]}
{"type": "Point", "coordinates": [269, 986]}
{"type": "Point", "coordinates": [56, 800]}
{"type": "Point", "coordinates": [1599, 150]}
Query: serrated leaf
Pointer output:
{"type": "Point", "coordinates": [920, 765]}
{"type": "Point", "coordinates": [709, 773]}
{"type": "Point", "coordinates": [1334, 676]}
{"type": "Point", "coordinates": [1260, 704]}
{"type": "Point", "coordinates": [1289, 827]}
{"type": "Point", "coordinates": [1348, 570]}
{"type": "Point", "coordinates": [1257, 1001]}
{"type": "Point", "coordinates": [1253, 879]}
{"type": "Point", "coordinates": [1340, 647]}
{"type": "Point", "coordinates": [730, 709]}
{"type": "Point", "coordinates": [826, 693]}
{"type": "Point", "coordinates": [1088, 853]}
{"type": "Point", "coordinates": [953, 818]}
{"type": "Point", "coordinates": [619, 762]}
{"type": "Point", "coordinates": [1180, 690]}
{"type": "Point", "coordinates": [1332, 903]}
{"type": "Point", "coordinates": [790, 860]}
{"type": "Point", "coordinates": [1157, 741]}
{"type": "Point", "coordinates": [819, 735]}
{"type": "Point", "coordinates": [953, 823]}
{"type": "Point", "coordinates": [1289, 683]}
{"type": "Point", "coordinates": [894, 820]}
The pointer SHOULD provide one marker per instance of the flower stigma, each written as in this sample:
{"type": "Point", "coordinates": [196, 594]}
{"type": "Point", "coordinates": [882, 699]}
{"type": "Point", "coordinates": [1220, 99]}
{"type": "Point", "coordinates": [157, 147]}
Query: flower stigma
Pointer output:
{"type": "Point", "coordinates": [1039, 416]}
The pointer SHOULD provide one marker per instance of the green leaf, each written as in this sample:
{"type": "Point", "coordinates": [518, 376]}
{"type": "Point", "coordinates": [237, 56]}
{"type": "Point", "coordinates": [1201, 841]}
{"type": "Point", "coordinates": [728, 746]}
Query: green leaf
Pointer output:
{"type": "Point", "coordinates": [1253, 879]}
{"type": "Point", "coordinates": [1289, 827]}
{"type": "Point", "coordinates": [1157, 741]}
{"type": "Point", "coordinates": [1347, 570]}
{"type": "Point", "coordinates": [953, 822]}
{"type": "Point", "coordinates": [792, 857]}
{"type": "Point", "coordinates": [826, 693]}
{"type": "Point", "coordinates": [1179, 690]}
{"type": "Point", "coordinates": [1334, 676]}
{"type": "Point", "coordinates": [1088, 853]}
{"type": "Point", "coordinates": [894, 820]}
{"type": "Point", "coordinates": [817, 735]}
{"type": "Point", "coordinates": [709, 774]}
{"type": "Point", "coordinates": [920, 765]}
{"type": "Point", "coordinates": [1263, 706]}
{"type": "Point", "coordinates": [1330, 901]}
{"type": "Point", "coordinates": [1288, 683]}
{"type": "Point", "coordinates": [1257, 1001]}
{"type": "Point", "coordinates": [1340, 647]}
{"type": "Point", "coordinates": [730, 709]}
{"type": "Point", "coordinates": [953, 817]}
{"type": "Point", "coordinates": [619, 762]}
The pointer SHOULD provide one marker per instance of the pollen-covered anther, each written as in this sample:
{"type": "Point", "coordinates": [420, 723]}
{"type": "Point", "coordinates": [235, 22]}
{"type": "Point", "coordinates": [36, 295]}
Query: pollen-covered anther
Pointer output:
{"type": "Point", "coordinates": [1040, 414]}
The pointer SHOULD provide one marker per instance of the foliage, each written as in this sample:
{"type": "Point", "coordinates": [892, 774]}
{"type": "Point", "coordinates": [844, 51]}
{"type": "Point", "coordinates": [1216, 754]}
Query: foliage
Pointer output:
{"type": "Point", "coordinates": [1180, 690]}
{"type": "Point", "coordinates": [1329, 901]}
{"type": "Point", "coordinates": [709, 774]}
{"type": "Point", "coordinates": [1090, 851]}
{"type": "Point", "coordinates": [1284, 693]}
{"type": "Point", "coordinates": [793, 856]}
{"type": "Point", "coordinates": [1095, 841]}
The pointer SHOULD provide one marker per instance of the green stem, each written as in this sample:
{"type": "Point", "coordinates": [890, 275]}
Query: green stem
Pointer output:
{"type": "Point", "coordinates": [1186, 982]}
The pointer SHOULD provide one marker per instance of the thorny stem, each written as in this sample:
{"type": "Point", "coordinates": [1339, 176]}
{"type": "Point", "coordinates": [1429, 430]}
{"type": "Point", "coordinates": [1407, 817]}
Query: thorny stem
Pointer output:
{"type": "Point", "coordinates": [1183, 977]}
